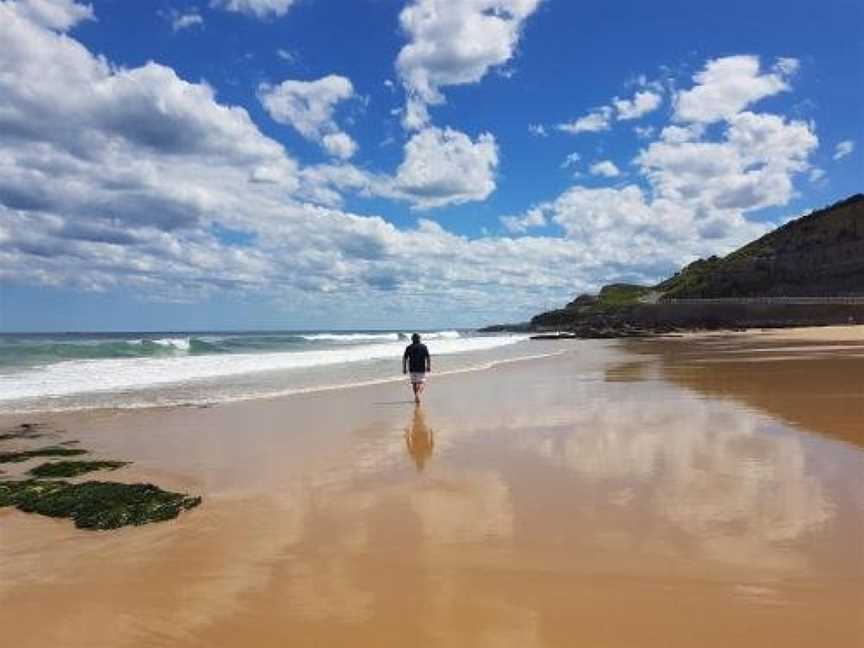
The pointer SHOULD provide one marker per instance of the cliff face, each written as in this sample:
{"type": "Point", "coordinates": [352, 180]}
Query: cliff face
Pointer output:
{"type": "Point", "coordinates": [820, 254]}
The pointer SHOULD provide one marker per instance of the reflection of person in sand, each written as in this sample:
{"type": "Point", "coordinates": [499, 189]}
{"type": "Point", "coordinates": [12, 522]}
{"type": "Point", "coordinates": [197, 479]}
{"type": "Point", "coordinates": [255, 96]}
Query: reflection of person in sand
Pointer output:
{"type": "Point", "coordinates": [419, 439]}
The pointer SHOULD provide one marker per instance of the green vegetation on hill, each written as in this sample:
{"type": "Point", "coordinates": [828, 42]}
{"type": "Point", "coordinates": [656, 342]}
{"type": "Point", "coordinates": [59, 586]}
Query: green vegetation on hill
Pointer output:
{"type": "Point", "coordinates": [621, 294]}
{"type": "Point", "coordinates": [820, 254]}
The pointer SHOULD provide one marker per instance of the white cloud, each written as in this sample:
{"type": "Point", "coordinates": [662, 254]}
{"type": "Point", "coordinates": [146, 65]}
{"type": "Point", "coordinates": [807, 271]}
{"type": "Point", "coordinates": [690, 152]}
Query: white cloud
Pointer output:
{"type": "Point", "coordinates": [571, 160]}
{"type": "Point", "coordinates": [679, 134]}
{"type": "Point", "coordinates": [843, 149]}
{"type": "Point", "coordinates": [816, 174]}
{"type": "Point", "coordinates": [286, 55]}
{"type": "Point", "coordinates": [601, 118]}
{"type": "Point", "coordinates": [443, 167]}
{"type": "Point", "coordinates": [595, 122]}
{"type": "Point", "coordinates": [644, 132]}
{"type": "Point", "coordinates": [787, 66]}
{"type": "Point", "coordinates": [339, 145]}
{"type": "Point", "coordinates": [256, 8]}
{"type": "Point", "coordinates": [728, 85]}
{"type": "Point", "coordinates": [751, 168]}
{"type": "Point", "coordinates": [605, 168]}
{"type": "Point", "coordinates": [519, 224]}
{"type": "Point", "coordinates": [643, 102]}
{"type": "Point", "coordinates": [700, 191]}
{"type": "Point", "coordinates": [113, 177]}
{"type": "Point", "coordinates": [180, 21]}
{"type": "Point", "coordinates": [454, 42]}
{"type": "Point", "coordinates": [308, 106]}
{"type": "Point", "coordinates": [538, 129]}
{"type": "Point", "coordinates": [61, 15]}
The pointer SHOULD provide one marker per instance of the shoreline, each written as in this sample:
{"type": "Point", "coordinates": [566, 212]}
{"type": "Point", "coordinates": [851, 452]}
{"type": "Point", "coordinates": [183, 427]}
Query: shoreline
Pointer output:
{"type": "Point", "coordinates": [626, 331]}
{"type": "Point", "coordinates": [805, 333]}
{"type": "Point", "coordinates": [6, 416]}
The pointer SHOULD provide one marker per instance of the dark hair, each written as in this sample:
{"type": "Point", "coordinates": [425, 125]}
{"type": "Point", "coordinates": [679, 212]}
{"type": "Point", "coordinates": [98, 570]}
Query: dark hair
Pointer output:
{"type": "Point", "coordinates": [415, 337]}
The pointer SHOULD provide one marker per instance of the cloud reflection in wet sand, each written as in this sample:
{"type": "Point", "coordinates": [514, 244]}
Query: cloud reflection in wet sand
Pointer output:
{"type": "Point", "coordinates": [569, 502]}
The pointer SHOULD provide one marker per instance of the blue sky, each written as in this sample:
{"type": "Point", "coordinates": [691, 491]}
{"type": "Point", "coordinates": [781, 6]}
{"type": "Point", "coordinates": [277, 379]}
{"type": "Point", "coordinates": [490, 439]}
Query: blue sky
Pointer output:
{"type": "Point", "coordinates": [377, 163]}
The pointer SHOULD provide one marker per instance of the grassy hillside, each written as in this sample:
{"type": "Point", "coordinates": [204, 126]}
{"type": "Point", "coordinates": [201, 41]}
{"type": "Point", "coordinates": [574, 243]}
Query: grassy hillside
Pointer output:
{"type": "Point", "coordinates": [819, 254]}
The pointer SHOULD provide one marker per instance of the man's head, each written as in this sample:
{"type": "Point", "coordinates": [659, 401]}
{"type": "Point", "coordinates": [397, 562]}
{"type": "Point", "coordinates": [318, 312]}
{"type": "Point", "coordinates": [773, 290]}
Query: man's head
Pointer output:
{"type": "Point", "coordinates": [415, 338]}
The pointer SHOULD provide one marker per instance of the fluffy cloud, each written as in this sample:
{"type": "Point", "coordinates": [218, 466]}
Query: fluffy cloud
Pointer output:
{"type": "Point", "coordinates": [116, 177]}
{"type": "Point", "coordinates": [518, 224]}
{"type": "Point", "coordinates": [440, 167]}
{"type": "Point", "coordinates": [601, 118]}
{"type": "Point", "coordinates": [843, 149]}
{"type": "Point", "coordinates": [726, 86]}
{"type": "Point", "coordinates": [454, 42]}
{"type": "Point", "coordinates": [339, 145]}
{"type": "Point", "coordinates": [605, 168]}
{"type": "Point", "coordinates": [699, 190]}
{"type": "Point", "coordinates": [594, 122]}
{"type": "Point", "coordinates": [444, 167]}
{"type": "Point", "coordinates": [308, 106]}
{"type": "Point", "coordinates": [642, 103]}
{"type": "Point", "coordinates": [61, 15]}
{"type": "Point", "coordinates": [750, 169]}
{"type": "Point", "coordinates": [180, 21]}
{"type": "Point", "coordinates": [256, 8]}
{"type": "Point", "coordinates": [113, 177]}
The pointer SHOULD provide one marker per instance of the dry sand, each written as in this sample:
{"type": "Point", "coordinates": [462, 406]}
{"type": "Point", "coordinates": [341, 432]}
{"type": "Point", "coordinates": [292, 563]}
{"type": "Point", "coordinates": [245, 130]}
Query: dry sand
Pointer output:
{"type": "Point", "coordinates": [684, 492]}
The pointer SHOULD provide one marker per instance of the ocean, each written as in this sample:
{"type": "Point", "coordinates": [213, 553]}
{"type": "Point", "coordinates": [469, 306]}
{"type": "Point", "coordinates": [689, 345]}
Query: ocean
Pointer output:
{"type": "Point", "coordinates": [72, 371]}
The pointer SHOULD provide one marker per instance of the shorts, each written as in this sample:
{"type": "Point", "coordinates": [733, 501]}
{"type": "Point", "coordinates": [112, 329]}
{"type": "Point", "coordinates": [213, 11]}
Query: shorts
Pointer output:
{"type": "Point", "coordinates": [417, 377]}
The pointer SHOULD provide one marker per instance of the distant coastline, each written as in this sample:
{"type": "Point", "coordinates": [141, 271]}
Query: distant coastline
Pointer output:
{"type": "Point", "coordinates": [809, 272]}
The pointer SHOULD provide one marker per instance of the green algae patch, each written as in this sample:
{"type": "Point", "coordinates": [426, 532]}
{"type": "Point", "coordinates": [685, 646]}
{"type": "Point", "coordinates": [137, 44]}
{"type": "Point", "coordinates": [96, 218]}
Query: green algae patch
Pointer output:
{"type": "Point", "coordinates": [74, 468]}
{"type": "Point", "coordinates": [96, 505]}
{"type": "Point", "coordinates": [52, 451]}
{"type": "Point", "coordinates": [13, 493]}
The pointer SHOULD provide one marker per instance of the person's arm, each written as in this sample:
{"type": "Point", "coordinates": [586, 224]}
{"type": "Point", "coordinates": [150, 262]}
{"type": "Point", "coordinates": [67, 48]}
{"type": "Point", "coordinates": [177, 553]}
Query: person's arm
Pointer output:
{"type": "Point", "coordinates": [428, 361]}
{"type": "Point", "coordinates": [405, 362]}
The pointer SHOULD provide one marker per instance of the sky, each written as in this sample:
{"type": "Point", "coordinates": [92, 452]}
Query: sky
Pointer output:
{"type": "Point", "coordinates": [271, 164]}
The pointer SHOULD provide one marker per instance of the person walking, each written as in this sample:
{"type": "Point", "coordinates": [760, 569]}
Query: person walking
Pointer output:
{"type": "Point", "coordinates": [417, 363]}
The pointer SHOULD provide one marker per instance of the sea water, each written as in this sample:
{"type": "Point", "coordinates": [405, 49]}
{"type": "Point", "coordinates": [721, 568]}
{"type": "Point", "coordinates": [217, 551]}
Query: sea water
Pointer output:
{"type": "Point", "coordinates": [43, 372]}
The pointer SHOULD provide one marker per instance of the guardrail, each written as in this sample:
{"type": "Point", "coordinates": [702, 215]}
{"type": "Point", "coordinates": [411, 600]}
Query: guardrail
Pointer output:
{"type": "Point", "coordinates": [768, 300]}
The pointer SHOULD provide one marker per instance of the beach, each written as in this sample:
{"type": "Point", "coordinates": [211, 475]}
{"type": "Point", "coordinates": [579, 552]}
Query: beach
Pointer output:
{"type": "Point", "coordinates": [702, 490]}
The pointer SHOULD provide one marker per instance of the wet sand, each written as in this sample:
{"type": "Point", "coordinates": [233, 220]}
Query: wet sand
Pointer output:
{"type": "Point", "coordinates": [703, 491]}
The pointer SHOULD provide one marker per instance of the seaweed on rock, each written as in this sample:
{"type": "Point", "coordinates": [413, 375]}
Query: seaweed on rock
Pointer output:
{"type": "Point", "coordinates": [13, 493]}
{"type": "Point", "coordinates": [51, 451]}
{"type": "Point", "coordinates": [74, 468]}
{"type": "Point", "coordinates": [96, 505]}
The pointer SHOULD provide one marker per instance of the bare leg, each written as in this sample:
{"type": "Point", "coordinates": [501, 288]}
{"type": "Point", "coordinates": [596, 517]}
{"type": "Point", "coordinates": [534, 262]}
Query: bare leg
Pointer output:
{"type": "Point", "coordinates": [417, 388]}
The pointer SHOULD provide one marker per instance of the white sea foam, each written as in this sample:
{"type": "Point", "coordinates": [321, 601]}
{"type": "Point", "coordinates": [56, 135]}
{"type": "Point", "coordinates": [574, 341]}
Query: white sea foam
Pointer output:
{"type": "Point", "coordinates": [350, 337]}
{"type": "Point", "coordinates": [181, 344]}
{"type": "Point", "coordinates": [362, 337]}
{"type": "Point", "coordinates": [125, 374]}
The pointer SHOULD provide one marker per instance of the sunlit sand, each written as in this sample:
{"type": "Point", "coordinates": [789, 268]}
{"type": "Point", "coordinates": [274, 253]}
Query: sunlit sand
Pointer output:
{"type": "Point", "coordinates": [618, 494]}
